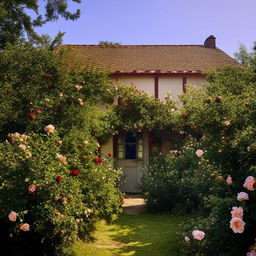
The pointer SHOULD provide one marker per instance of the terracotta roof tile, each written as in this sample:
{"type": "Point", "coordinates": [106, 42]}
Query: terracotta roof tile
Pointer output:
{"type": "Point", "coordinates": [153, 58]}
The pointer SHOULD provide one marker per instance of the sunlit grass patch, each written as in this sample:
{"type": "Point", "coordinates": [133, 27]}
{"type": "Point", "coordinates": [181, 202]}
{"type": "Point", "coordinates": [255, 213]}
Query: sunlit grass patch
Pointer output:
{"type": "Point", "coordinates": [141, 235]}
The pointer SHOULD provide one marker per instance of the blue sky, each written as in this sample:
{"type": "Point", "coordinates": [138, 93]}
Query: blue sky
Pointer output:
{"type": "Point", "coordinates": [161, 22]}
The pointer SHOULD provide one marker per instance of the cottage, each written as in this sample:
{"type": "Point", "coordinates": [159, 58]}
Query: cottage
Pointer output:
{"type": "Point", "coordinates": [155, 69]}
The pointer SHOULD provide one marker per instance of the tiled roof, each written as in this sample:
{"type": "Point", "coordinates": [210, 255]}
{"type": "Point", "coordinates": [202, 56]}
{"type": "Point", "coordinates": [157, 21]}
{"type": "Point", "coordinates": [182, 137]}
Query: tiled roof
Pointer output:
{"type": "Point", "coordinates": [152, 58]}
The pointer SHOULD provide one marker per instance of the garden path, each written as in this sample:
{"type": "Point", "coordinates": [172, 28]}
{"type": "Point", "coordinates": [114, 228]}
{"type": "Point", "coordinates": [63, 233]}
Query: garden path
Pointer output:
{"type": "Point", "coordinates": [134, 204]}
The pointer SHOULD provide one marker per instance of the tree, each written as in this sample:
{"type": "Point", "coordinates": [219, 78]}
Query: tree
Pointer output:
{"type": "Point", "coordinates": [245, 57]}
{"type": "Point", "coordinates": [108, 43]}
{"type": "Point", "coordinates": [16, 23]}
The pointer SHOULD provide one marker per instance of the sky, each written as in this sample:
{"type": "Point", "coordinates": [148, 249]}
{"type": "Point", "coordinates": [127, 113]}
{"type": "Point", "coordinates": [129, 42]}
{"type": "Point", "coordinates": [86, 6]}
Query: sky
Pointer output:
{"type": "Point", "coordinates": [232, 22]}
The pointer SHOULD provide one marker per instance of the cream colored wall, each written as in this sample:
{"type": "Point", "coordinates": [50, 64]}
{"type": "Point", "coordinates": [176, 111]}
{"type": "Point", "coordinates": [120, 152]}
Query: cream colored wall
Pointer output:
{"type": "Point", "coordinates": [172, 84]}
{"type": "Point", "coordinates": [198, 81]}
{"type": "Point", "coordinates": [143, 83]}
{"type": "Point", "coordinates": [107, 147]}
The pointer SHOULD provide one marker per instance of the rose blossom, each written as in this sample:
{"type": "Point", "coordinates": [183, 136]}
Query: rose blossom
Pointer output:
{"type": "Point", "coordinates": [32, 188]}
{"type": "Point", "coordinates": [227, 123]}
{"type": "Point", "coordinates": [237, 225]}
{"type": "Point", "coordinates": [75, 172]}
{"type": "Point", "coordinates": [31, 116]}
{"type": "Point", "coordinates": [187, 239]}
{"type": "Point", "coordinates": [80, 102]}
{"type": "Point", "coordinates": [242, 196]}
{"type": "Point", "coordinates": [249, 182]}
{"type": "Point", "coordinates": [49, 128]}
{"type": "Point", "coordinates": [12, 216]}
{"type": "Point", "coordinates": [198, 235]}
{"type": "Point", "coordinates": [249, 148]}
{"type": "Point", "coordinates": [251, 253]}
{"type": "Point", "coordinates": [78, 87]}
{"type": "Point", "coordinates": [22, 147]}
{"type": "Point", "coordinates": [59, 178]}
{"type": "Point", "coordinates": [24, 227]}
{"type": "Point", "coordinates": [199, 152]}
{"type": "Point", "coordinates": [229, 180]}
{"type": "Point", "coordinates": [237, 212]}
{"type": "Point", "coordinates": [62, 158]}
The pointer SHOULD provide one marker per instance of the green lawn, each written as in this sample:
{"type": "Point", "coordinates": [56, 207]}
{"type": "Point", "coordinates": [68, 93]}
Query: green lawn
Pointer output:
{"type": "Point", "coordinates": [141, 235]}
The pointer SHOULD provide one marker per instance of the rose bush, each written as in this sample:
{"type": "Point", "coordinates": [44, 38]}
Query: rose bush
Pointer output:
{"type": "Point", "coordinates": [49, 124]}
{"type": "Point", "coordinates": [218, 158]}
{"type": "Point", "coordinates": [180, 180]}
{"type": "Point", "coordinates": [224, 112]}
{"type": "Point", "coordinates": [49, 202]}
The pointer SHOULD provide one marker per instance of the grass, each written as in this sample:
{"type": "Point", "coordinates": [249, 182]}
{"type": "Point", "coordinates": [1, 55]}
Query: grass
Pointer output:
{"type": "Point", "coordinates": [144, 234]}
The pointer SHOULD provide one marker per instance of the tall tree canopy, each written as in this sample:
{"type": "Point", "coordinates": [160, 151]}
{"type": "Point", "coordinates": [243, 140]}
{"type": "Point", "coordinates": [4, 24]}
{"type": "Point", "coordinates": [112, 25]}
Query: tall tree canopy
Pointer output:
{"type": "Point", "coordinates": [16, 22]}
{"type": "Point", "coordinates": [244, 56]}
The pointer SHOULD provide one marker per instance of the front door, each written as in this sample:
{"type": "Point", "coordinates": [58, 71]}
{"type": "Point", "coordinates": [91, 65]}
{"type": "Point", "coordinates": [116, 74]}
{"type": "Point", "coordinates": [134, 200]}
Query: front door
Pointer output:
{"type": "Point", "coordinates": [131, 154]}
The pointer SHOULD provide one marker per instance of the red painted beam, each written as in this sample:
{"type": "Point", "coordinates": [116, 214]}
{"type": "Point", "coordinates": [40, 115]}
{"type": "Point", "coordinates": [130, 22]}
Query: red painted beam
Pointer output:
{"type": "Point", "coordinates": [156, 87]}
{"type": "Point", "coordinates": [184, 82]}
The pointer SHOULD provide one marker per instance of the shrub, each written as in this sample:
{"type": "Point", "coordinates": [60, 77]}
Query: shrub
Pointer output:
{"type": "Point", "coordinates": [59, 196]}
{"type": "Point", "coordinates": [72, 189]}
{"type": "Point", "coordinates": [224, 111]}
{"type": "Point", "coordinates": [179, 179]}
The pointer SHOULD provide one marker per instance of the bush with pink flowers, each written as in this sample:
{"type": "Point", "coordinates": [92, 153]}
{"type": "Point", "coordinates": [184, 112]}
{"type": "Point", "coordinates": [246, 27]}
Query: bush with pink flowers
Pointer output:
{"type": "Point", "coordinates": [218, 124]}
{"type": "Point", "coordinates": [224, 112]}
{"type": "Point", "coordinates": [52, 191]}
{"type": "Point", "coordinates": [48, 203]}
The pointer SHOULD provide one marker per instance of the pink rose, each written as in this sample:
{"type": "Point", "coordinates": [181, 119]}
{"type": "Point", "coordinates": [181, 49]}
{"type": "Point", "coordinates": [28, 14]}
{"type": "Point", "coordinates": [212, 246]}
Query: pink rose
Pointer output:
{"type": "Point", "coordinates": [227, 123]}
{"type": "Point", "coordinates": [12, 216]}
{"type": "Point", "coordinates": [198, 235]}
{"type": "Point", "coordinates": [32, 188]}
{"type": "Point", "coordinates": [251, 253]}
{"type": "Point", "coordinates": [249, 182]}
{"type": "Point", "coordinates": [237, 212]}
{"type": "Point", "coordinates": [242, 196]}
{"type": "Point", "coordinates": [80, 102]}
{"type": "Point", "coordinates": [62, 158]}
{"type": "Point", "coordinates": [187, 239]}
{"type": "Point", "coordinates": [78, 87]}
{"type": "Point", "coordinates": [229, 180]}
{"type": "Point", "coordinates": [22, 147]}
{"type": "Point", "coordinates": [199, 152]}
{"type": "Point", "coordinates": [49, 128]}
{"type": "Point", "coordinates": [237, 225]}
{"type": "Point", "coordinates": [24, 227]}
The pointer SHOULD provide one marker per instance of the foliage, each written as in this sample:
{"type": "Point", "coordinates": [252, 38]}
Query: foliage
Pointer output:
{"type": "Point", "coordinates": [108, 43]}
{"type": "Point", "coordinates": [219, 119]}
{"type": "Point", "coordinates": [15, 21]}
{"type": "Point", "coordinates": [136, 111]}
{"type": "Point", "coordinates": [224, 112]}
{"type": "Point", "coordinates": [59, 196]}
{"type": "Point", "coordinates": [38, 91]}
{"type": "Point", "coordinates": [245, 57]}
{"type": "Point", "coordinates": [179, 180]}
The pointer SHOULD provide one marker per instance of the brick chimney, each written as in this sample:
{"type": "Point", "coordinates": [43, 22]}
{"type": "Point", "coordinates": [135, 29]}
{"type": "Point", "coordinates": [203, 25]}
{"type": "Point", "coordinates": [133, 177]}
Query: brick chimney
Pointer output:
{"type": "Point", "coordinates": [210, 42]}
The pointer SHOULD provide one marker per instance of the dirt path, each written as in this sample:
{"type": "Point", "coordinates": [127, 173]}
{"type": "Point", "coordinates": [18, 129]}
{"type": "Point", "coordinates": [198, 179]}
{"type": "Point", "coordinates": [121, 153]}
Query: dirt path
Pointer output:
{"type": "Point", "coordinates": [134, 204]}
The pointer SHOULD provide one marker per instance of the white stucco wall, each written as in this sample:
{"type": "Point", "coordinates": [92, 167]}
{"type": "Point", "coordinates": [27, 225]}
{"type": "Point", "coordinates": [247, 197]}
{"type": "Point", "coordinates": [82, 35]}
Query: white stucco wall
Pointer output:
{"type": "Point", "coordinates": [198, 81]}
{"type": "Point", "coordinates": [165, 84]}
{"type": "Point", "coordinates": [172, 84]}
{"type": "Point", "coordinates": [143, 83]}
